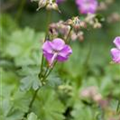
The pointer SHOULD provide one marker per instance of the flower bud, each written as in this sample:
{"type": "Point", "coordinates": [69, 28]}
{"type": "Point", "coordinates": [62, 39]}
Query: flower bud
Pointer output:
{"type": "Point", "coordinates": [52, 6]}
{"type": "Point", "coordinates": [80, 36]}
{"type": "Point", "coordinates": [73, 36]}
{"type": "Point", "coordinates": [97, 24]}
{"type": "Point", "coordinates": [76, 22]}
{"type": "Point", "coordinates": [41, 3]}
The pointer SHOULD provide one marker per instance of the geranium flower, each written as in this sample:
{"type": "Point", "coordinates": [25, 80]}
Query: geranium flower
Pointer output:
{"type": "Point", "coordinates": [87, 6]}
{"type": "Point", "coordinates": [115, 52]}
{"type": "Point", "coordinates": [56, 50]}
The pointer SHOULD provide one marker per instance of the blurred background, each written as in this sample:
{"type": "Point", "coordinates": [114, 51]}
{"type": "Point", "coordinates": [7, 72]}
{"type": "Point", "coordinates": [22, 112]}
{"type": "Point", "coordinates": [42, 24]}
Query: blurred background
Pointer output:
{"type": "Point", "coordinates": [88, 71]}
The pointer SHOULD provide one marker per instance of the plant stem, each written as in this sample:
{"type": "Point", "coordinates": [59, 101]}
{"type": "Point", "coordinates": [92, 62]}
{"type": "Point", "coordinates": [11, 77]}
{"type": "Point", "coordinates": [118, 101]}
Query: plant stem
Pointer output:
{"type": "Point", "coordinates": [20, 10]}
{"type": "Point", "coordinates": [47, 31]}
{"type": "Point", "coordinates": [85, 64]}
{"type": "Point", "coordinates": [35, 93]}
{"type": "Point", "coordinates": [118, 105]}
{"type": "Point", "coordinates": [47, 24]}
{"type": "Point", "coordinates": [67, 41]}
{"type": "Point", "coordinates": [31, 103]}
{"type": "Point", "coordinates": [41, 67]}
{"type": "Point", "coordinates": [48, 71]}
{"type": "Point", "coordinates": [42, 80]}
{"type": "Point", "coordinates": [51, 69]}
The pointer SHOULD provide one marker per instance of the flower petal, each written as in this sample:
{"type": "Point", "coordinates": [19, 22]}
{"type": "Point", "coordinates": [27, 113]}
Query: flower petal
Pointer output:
{"type": "Point", "coordinates": [87, 6]}
{"type": "Point", "coordinates": [117, 42]}
{"type": "Point", "coordinates": [57, 44]}
{"type": "Point", "coordinates": [115, 55]}
{"type": "Point", "coordinates": [48, 56]}
{"type": "Point", "coordinates": [46, 47]}
{"type": "Point", "coordinates": [66, 51]}
{"type": "Point", "coordinates": [61, 58]}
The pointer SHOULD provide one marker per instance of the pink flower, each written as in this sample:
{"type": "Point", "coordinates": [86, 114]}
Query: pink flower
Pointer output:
{"type": "Point", "coordinates": [87, 6]}
{"type": "Point", "coordinates": [56, 50]}
{"type": "Point", "coordinates": [115, 52]}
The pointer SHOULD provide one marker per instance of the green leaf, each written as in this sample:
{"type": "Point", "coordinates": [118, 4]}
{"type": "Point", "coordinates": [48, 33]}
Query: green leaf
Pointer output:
{"type": "Point", "coordinates": [81, 112]}
{"type": "Point", "coordinates": [24, 47]}
{"type": "Point", "coordinates": [54, 81]}
{"type": "Point", "coordinates": [50, 108]}
{"type": "Point", "coordinates": [29, 70]}
{"type": "Point", "coordinates": [28, 82]}
{"type": "Point", "coordinates": [32, 116]}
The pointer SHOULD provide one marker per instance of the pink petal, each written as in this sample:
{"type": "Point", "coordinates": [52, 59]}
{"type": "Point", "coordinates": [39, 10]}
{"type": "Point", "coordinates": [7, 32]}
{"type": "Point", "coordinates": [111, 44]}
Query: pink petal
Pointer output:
{"type": "Point", "coordinates": [115, 55]}
{"type": "Point", "coordinates": [48, 56]}
{"type": "Point", "coordinates": [117, 42]}
{"type": "Point", "coordinates": [61, 58]}
{"type": "Point", "coordinates": [46, 47]}
{"type": "Point", "coordinates": [64, 53]}
{"type": "Point", "coordinates": [57, 44]}
{"type": "Point", "coordinates": [87, 6]}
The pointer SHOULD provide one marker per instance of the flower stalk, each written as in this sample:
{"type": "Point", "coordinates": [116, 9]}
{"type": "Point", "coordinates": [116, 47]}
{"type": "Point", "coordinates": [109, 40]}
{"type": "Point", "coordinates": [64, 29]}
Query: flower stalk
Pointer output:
{"type": "Point", "coordinates": [53, 50]}
{"type": "Point", "coordinates": [31, 103]}
{"type": "Point", "coordinates": [41, 77]}
{"type": "Point", "coordinates": [35, 93]}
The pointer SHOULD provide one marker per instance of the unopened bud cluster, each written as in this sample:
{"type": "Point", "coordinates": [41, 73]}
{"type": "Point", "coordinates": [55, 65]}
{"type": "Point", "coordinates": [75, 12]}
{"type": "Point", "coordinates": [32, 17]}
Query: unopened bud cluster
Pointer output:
{"type": "Point", "coordinates": [73, 28]}
{"type": "Point", "coordinates": [66, 89]}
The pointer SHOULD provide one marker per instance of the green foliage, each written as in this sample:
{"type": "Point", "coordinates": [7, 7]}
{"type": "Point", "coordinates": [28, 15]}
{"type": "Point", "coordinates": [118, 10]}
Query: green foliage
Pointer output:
{"type": "Point", "coordinates": [32, 116]}
{"type": "Point", "coordinates": [45, 98]}
{"type": "Point", "coordinates": [30, 82]}
{"type": "Point", "coordinates": [54, 81]}
{"type": "Point", "coordinates": [30, 78]}
{"type": "Point", "coordinates": [14, 102]}
{"type": "Point", "coordinates": [6, 26]}
{"type": "Point", "coordinates": [86, 115]}
{"type": "Point", "coordinates": [60, 98]}
{"type": "Point", "coordinates": [24, 47]}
